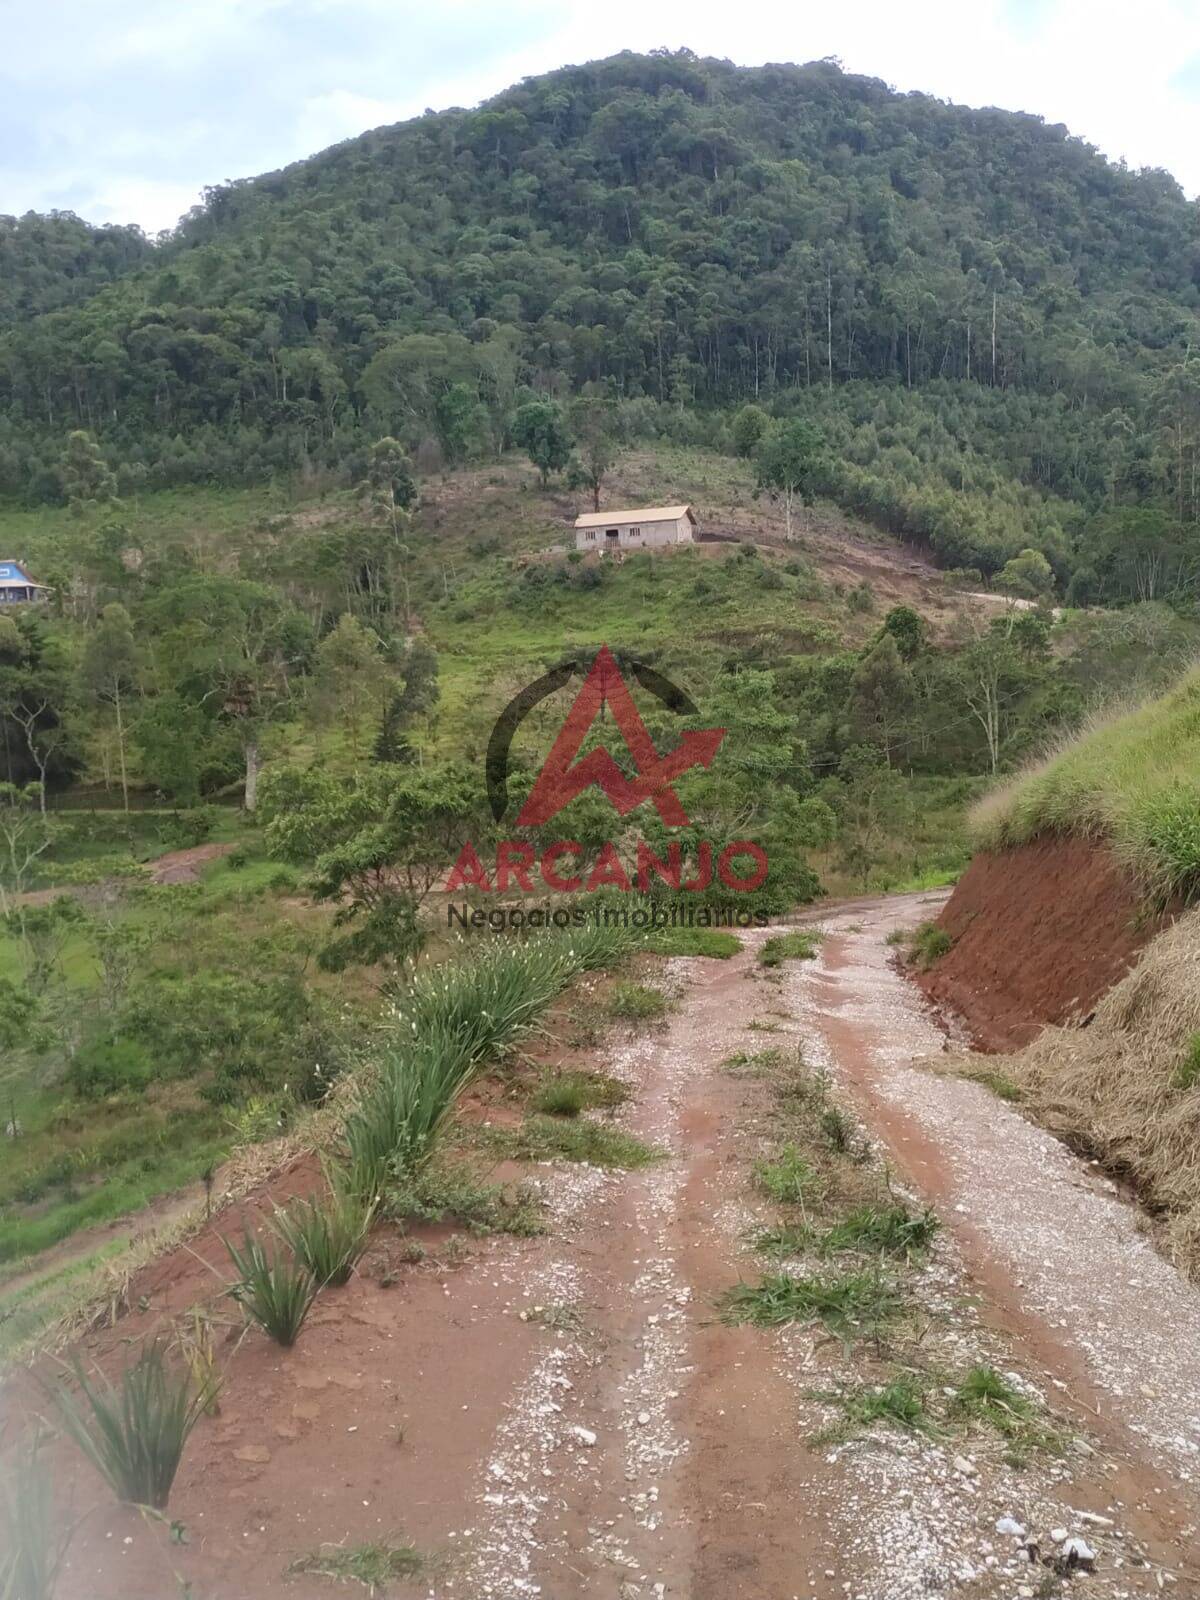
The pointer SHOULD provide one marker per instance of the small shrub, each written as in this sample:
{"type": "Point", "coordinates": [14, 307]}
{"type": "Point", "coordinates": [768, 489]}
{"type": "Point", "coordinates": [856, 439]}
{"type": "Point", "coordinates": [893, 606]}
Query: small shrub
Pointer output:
{"type": "Point", "coordinates": [259, 1119]}
{"type": "Point", "coordinates": [800, 945]}
{"type": "Point", "coordinates": [636, 1002]}
{"type": "Point", "coordinates": [107, 1066]}
{"type": "Point", "coordinates": [787, 1178]}
{"type": "Point", "coordinates": [597, 1144]}
{"type": "Point", "coordinates": [569, 1093]}
{"type": "Point", "coordinates": [134, 1436]}
{"type": "Point", "coordinates": [715, 943]}
{"type": "Point", "coordinates": [275, 1291]}
{"type": "Point", "coordinates": [452, 1190]}
{"type": "Point", "coordinates": [929, 944]}
{"type": "Point", "coordinates": [327, 1237]}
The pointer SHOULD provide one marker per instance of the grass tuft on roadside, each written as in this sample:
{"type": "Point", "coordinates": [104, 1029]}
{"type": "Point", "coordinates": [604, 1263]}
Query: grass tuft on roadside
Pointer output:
{"type": "Point", "coordinates": [851, 1305]}
{"type": "Point", "coordinates": [801, 944]}
{"type": "Point", "coordinates": [373, 1565]}
{"type": "Point", "coordinates": [636, 1002]}
{"type": "Point", "coordinates": [595, 1144]}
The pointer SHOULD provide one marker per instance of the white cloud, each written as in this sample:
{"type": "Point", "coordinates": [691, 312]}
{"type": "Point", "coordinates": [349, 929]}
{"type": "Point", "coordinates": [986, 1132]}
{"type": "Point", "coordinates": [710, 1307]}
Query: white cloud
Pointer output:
{"type": "Point", "coordinates": [152, 102]}
{"type": "Point", "coordinates": [1112, 78]}
{"type": "Point", "coordinates": [340, 114]}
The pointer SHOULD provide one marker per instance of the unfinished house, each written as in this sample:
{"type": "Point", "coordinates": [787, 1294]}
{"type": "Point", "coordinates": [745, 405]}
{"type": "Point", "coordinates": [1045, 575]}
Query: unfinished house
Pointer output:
{"type": "Point", "coordinates": [645, 529]}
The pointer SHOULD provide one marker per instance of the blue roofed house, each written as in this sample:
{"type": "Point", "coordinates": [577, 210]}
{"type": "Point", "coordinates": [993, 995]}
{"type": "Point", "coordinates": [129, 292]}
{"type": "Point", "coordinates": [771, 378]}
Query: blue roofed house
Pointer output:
{"type": "Point", "coordinates": [16, 586]}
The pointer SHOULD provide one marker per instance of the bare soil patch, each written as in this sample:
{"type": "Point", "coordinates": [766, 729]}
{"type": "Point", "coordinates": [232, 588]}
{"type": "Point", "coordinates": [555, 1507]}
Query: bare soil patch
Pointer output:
{"type": "Point", "coordinates": [1040, 933]}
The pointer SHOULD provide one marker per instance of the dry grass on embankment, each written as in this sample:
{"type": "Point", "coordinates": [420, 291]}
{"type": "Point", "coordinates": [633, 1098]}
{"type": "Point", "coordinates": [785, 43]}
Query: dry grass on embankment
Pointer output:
{"type": "Point", "coordinates": [1126, 1088]}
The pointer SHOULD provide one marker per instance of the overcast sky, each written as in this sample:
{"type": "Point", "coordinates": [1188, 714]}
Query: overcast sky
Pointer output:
{"type": "Point", "coordinates": [124, 110]}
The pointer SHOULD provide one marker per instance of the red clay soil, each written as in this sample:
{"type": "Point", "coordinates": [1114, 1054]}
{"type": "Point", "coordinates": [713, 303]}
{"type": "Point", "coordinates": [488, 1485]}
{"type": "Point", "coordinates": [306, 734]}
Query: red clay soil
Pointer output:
{"type": "Point", "coordinates": [1040, 933]}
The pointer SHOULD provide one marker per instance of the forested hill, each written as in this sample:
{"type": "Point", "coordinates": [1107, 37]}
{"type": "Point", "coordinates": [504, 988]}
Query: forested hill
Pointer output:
{"type": "Point", "coordinates": [687, 234]}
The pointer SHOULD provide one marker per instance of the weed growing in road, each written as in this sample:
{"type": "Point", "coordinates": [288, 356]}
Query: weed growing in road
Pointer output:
{"type": "Point", "coordinates": [134, 1434]}
{"type": "Point", "coordinates": [327, 1237]}
{"type": "Point", "coordinates": [800, 945]}
{"type": "Point", "coordinates": [715, 943]}
{"type": "Point", "coordinates": [788, 1178]}
{"type": "Point", "coordinates": [851, 1304]}
{"type": "Point", "coordinates": [986, 1396]}
{"type": "Point", "coordinates": [372, 1565]}
{"type": "Point", "coordinates": [885, 1229]}
{"type": "Point", "coordinates": [557, 1318]}
{"type": "Point", "coordinates": [551, 1138]}
{"type": "Point", "coordinates": [569, 1093]}
{"type": "Point", "coordinates": [274, 1291]}
{"type": "Point", "coordinates": [839, 1128]}
{"type": "Point", "coordinates": [761, 1064]}
{"type": "Point", "coordinates": [783, 1242]}
{"type": "Point", "coordinates": [451, 1189]}
{"type": "Point", "coordinates": [636, 1002]}
{"type": "Point", "coordinates": [900, 1403]}
{"type": "Point", "coordinates": [560, 1097]}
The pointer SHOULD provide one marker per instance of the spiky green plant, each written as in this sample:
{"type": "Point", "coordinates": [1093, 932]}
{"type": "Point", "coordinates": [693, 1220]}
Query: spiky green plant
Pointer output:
{"type": "Point", "coordinates": [134, 1433]}
{"type": "Point", "coordinates": [447, 1022]}
{"type": "Point", "coordinates": [30, 1551]}
{"type": "Point", "coordinates": [275, 1291]}
{"type": "Point", "coordinates": [328, 1236]}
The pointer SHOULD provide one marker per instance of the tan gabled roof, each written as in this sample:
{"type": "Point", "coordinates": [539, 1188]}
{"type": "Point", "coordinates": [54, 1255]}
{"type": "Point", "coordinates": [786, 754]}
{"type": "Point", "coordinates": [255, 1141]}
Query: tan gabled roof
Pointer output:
{"type": "Point", "coordinates": [605, 519]}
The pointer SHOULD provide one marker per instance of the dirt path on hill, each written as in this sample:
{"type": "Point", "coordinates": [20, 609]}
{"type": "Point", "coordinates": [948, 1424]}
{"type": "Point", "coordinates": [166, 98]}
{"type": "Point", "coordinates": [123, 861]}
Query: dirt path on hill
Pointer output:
{"type": "Point", "coordinates": [176, 866]}
{"type": "Point", "coordinates": [568, 1416]}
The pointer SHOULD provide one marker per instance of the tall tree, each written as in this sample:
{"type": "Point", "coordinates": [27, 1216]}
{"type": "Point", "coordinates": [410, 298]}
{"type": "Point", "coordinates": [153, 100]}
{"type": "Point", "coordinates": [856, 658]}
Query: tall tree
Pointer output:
{"type": "Point", "coordinates": [788, 459]}
{"type": "Point", "coordinates": [540, 429]}
{"type": "Point", "coordinates": [109, 676]}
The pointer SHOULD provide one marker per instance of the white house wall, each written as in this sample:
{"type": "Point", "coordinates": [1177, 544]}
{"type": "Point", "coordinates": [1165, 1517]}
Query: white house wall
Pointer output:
{"type": "Point", "coordinates": [652, 534]}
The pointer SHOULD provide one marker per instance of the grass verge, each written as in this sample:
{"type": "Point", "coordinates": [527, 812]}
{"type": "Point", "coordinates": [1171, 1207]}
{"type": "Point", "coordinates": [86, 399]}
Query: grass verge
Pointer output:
{"type": "Point", "coordinates": [1132, 780]}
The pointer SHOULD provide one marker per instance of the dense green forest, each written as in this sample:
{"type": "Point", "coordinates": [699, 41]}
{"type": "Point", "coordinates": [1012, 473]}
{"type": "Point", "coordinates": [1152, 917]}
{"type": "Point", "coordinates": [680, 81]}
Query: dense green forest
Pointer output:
{"type": "Point", "coordinates": [992, 325]}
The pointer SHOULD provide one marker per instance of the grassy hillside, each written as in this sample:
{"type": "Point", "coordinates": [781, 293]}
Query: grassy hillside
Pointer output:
{"type": "Point", "coordinates": [165, 1024]}
{"type": "Point", "coordinates": [1131, 779]}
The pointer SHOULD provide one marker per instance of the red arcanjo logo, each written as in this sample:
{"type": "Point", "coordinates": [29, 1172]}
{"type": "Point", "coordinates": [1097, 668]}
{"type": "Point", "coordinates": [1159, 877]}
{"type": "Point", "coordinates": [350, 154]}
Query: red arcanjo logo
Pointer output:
{"type": "Point", "coordinates": [564, 775]}
{"type": "Point", "coordinates": [559, 782]}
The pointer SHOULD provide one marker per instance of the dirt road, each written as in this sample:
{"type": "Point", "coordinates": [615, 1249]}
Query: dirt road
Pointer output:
{"type": "Point", "coordinates": [569, 1415]}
